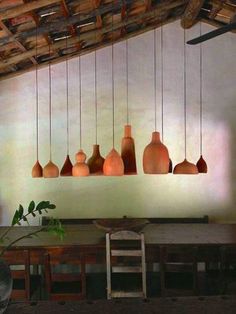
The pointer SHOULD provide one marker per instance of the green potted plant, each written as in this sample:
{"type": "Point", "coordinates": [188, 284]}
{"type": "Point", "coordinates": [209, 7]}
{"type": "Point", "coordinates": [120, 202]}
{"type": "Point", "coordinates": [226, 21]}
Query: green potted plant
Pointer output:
{"type": "Point", "coordinates": [21, 215]}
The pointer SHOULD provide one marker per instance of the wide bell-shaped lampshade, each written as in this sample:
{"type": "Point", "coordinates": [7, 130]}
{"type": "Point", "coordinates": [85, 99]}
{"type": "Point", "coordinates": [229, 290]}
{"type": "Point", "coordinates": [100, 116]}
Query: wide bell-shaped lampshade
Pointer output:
{"type": "Point", "coordinates": [37, 170]}
{"type": "Point", "coordinates": [128, 152]}
{"type": "Point", "coordinates": [66, 170]}
{"type": "Point", "coordinates": [185, 167]}
{"type": "Point", "coordinates": [113, 165]}
{"type": "Point", "coordinates": [50, 170]}
{"type": "Point", "coordinates": [80, 169]}
{"type": "Point", "coordinates": [201, 165]}
{"type": "Point", "coordinates": [95, 162]}
{"type": "Point", "coordinates": [155, 156]}
{"type": "Point", "coordinates": [170, 166]}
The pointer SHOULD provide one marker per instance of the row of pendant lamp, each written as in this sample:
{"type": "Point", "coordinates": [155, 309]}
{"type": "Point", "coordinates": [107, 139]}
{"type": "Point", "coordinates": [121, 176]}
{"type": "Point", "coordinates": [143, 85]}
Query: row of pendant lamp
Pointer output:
{"type": "Point", "coordinates": [155, 161]}
{"type": "Point", "coordinates": [156, 158]}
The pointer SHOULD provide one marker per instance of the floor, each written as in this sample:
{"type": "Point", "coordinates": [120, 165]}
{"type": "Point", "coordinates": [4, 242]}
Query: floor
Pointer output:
{"type": "Point", "coordinates": [183, 305]}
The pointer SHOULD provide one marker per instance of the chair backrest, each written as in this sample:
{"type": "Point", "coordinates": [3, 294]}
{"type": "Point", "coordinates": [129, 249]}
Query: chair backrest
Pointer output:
{"type": "Point", "coordinates": [19, 258]}
{"type": "Point", "coordinates": [127, 245]}
{"type": "Point", "coordinates": [55, 259]}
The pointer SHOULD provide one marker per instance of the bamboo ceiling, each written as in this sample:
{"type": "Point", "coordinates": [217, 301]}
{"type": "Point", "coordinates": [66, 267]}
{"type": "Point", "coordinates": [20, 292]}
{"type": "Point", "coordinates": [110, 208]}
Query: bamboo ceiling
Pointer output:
{"type": "Point", "coordinates": [87, 24]}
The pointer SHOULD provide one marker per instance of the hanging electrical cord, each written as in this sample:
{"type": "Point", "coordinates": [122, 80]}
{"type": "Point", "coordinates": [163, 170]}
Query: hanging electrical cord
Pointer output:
{"type": "Point", "coordinates": [155, 77]}
{"type": "Point", "coordinates": [95, 89]}
{"type": "Point", "coordinates": [185, 96]}
{"type": "Point", "coordinates": [200, 48]}
{"type": "Point", "coordinates": [127, 80]}
{"type": "Point", "coordinates": [67, 97]}
{"type": "Point", "coordinates": [37, 96]}
{"type": "Point", "coordinates": [162, 86]}
{"type": "Point", "coordinates": [50, 101]}
{"type": "Point", "coordinates": [112, 73]}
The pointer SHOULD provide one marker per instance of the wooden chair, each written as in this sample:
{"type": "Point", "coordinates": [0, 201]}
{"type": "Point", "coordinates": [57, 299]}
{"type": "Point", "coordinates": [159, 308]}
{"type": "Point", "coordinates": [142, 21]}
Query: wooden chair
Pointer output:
{"type": "Point", "coordinates": [21, 278]}
{"type": "Point", "coordinates": [65, 285]}
{"type": "Point", "coordinates": [182, 263]}
{"type": "Point", "coordinates": [125, 253]}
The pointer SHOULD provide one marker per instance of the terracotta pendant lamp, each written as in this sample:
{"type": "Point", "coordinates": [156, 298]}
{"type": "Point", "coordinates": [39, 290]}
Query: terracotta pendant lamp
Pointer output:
{"type": "Point", "coordinates": [201, 164]}
{"type": "Point", "coordinates": [155, 156]}
{"type": "Point", "coordinates": [80, 169]}
{"type": "Point", "coordinates": [50, 170]}
{"type": "Point", "coordinates": [66, 170]}
{"type": "Point", "coordinates": [185, 167]}
{"type": "Point", "coordinates": [127, 144]}
{"type": "Point", "coordinates": [37, 170]}
{"type": "Point", "coordinates": [113, 165]}
{"type": "Point", "coordinates": [96, 161]}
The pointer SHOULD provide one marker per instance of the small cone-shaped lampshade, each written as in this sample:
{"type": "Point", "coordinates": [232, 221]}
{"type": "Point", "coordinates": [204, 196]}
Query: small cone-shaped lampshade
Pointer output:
{"type": "Point", "coordinates": [95, 162]}
{"type": "Point", "coordinates": [113, 165]}
{"type": "Point", "coordinates": [185, 167]}
{"type": "Point", "coordinates": [201, 165]}
{"type": "Point", "coordinates": [170, 166]}
{"type": "Point", "coordinates": [80, 169]}
{"type": "Point", "coordinates": [66, 170]}
{"type": "Point", "coordinates": [37, 170]}
{"type": "Point", "coordinates": [155, 156]}
{"type": "Point", "coordinates": [128, 152]}
{"type": "Point", "coordinates": [50, 170]}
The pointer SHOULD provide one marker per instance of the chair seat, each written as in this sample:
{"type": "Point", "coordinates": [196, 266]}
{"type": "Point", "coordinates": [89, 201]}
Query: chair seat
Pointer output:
{"type": "Point", "coordinates": [66, 287]}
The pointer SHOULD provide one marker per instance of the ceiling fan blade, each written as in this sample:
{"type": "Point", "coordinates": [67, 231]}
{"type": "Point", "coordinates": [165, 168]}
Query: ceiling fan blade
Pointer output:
{"type": "Point", "coordinates": [212, 34]}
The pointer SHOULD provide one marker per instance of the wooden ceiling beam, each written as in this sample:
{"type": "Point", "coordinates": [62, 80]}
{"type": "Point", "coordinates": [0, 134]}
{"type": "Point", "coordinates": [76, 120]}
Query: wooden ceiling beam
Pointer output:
{"type": "Point", "coordinates": [90, 49]}
{"type": "Point", "coordinates": [84, 36]}
{"type": "Point", "coordinates": [24, 8]}
{"type": "Point", "coordinates": [191, 13]}
{"type": "Point", "coordinates": [18, 44]}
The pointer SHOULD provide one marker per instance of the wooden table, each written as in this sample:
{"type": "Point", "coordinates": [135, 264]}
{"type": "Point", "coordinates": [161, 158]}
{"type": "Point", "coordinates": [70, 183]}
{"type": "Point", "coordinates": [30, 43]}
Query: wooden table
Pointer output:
{"type": "Point", "coordinates": [188, 305]}
{"type": "Point", "coordinates": [90, 240]}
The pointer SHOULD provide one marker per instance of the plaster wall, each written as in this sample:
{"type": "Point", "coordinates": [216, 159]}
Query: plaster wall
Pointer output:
{"type": "Point", "coordinates": [143, 195]}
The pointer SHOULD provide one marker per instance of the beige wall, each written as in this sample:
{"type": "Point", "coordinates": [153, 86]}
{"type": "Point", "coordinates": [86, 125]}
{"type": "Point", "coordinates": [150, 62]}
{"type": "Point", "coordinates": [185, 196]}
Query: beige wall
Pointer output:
{"type": "Point", "coordinates": [142, 195]}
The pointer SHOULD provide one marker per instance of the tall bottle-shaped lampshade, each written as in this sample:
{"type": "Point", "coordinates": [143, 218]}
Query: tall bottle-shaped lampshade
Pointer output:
{"type": "Point", "coordinates": [37, 170]}
{"type": "Point", "coordinates": [201, 164]}
{"type": "Point", "coordinates": [50, 170]}
{"type": "Point", "coordinates": [127, 144]}
{"type": "Point", "coordinates": [185, 167]}
{"type": "Point", "coordinates": [80, 169]}
{"type": "Point", "coordinates": [113, 165]}
{"type": "Point", "coordinates": [155, 156]}
{"type": "Point", "coordinates": [96, 161]}
{"type": "Point", "coordinates": [66, 170]}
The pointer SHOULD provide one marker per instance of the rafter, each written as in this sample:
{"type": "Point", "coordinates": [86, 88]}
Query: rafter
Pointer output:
{"type": "Point", "coordinates": [24, 8]}
{"type": "Point", "coordinates": [191, 13]}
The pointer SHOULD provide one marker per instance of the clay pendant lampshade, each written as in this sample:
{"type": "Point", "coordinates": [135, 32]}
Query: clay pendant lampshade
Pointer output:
{"type": "Point", "coordinates": [113, 164]}
{"type": "Point", "coordinates": [96, 161]}
{"type": "Point", "coordinates": [128, 152]}
{"type": "Point", "coordinates": [201, 164]}
{"type": "Point", "coordinates": [66, 170]}
{"type": "Point", "coordinates": [50, 170]}
{"type": "Point", "coordinates": [155, 156]}
{"type": "Point", "coordinates": [185, 167]}
{"type": "Point", "coordinates": [127, 143]}
{"type": "Point", "coordinates": [80, 169]}
{"type": "Point", "coordinates": [37, 170]}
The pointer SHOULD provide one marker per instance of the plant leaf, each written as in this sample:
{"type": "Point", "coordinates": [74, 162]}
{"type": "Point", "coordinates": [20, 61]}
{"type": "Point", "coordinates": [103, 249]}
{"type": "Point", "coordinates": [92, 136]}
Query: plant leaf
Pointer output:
{"type": "Point", "coordinates": [15, 218]}
{"type": "Point", "coordinates": [31, 207]}
{"type": "Point", "coordinates": [21, 211]}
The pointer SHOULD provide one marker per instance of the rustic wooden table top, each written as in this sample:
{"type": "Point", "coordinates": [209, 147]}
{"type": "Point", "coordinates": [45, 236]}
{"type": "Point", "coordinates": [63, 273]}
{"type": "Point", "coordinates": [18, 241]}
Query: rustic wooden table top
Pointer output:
{"type": "Point", "coordinates": [187, 305]}
{"type": "Point", "coordinates": [155, 234]}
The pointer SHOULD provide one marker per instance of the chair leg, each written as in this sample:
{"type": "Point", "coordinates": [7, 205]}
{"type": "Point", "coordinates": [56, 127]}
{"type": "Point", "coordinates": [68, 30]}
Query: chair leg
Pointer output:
{"type": "Point", "coordinates": [162, 271]}
{"type": "Point", "coordinates": [83, 277]}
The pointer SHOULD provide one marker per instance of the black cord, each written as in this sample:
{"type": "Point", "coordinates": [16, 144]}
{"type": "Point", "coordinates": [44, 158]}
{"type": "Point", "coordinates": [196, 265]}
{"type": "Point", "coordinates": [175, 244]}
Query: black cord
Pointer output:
{"type": "Point", "coordinates": [200, 91]}
{"type": "Point", "coordinates": [185, 104]}
{"type": "Point", "coordinates": [67, 97]}
{"type": "Point", "coordinates": [37, 96]}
